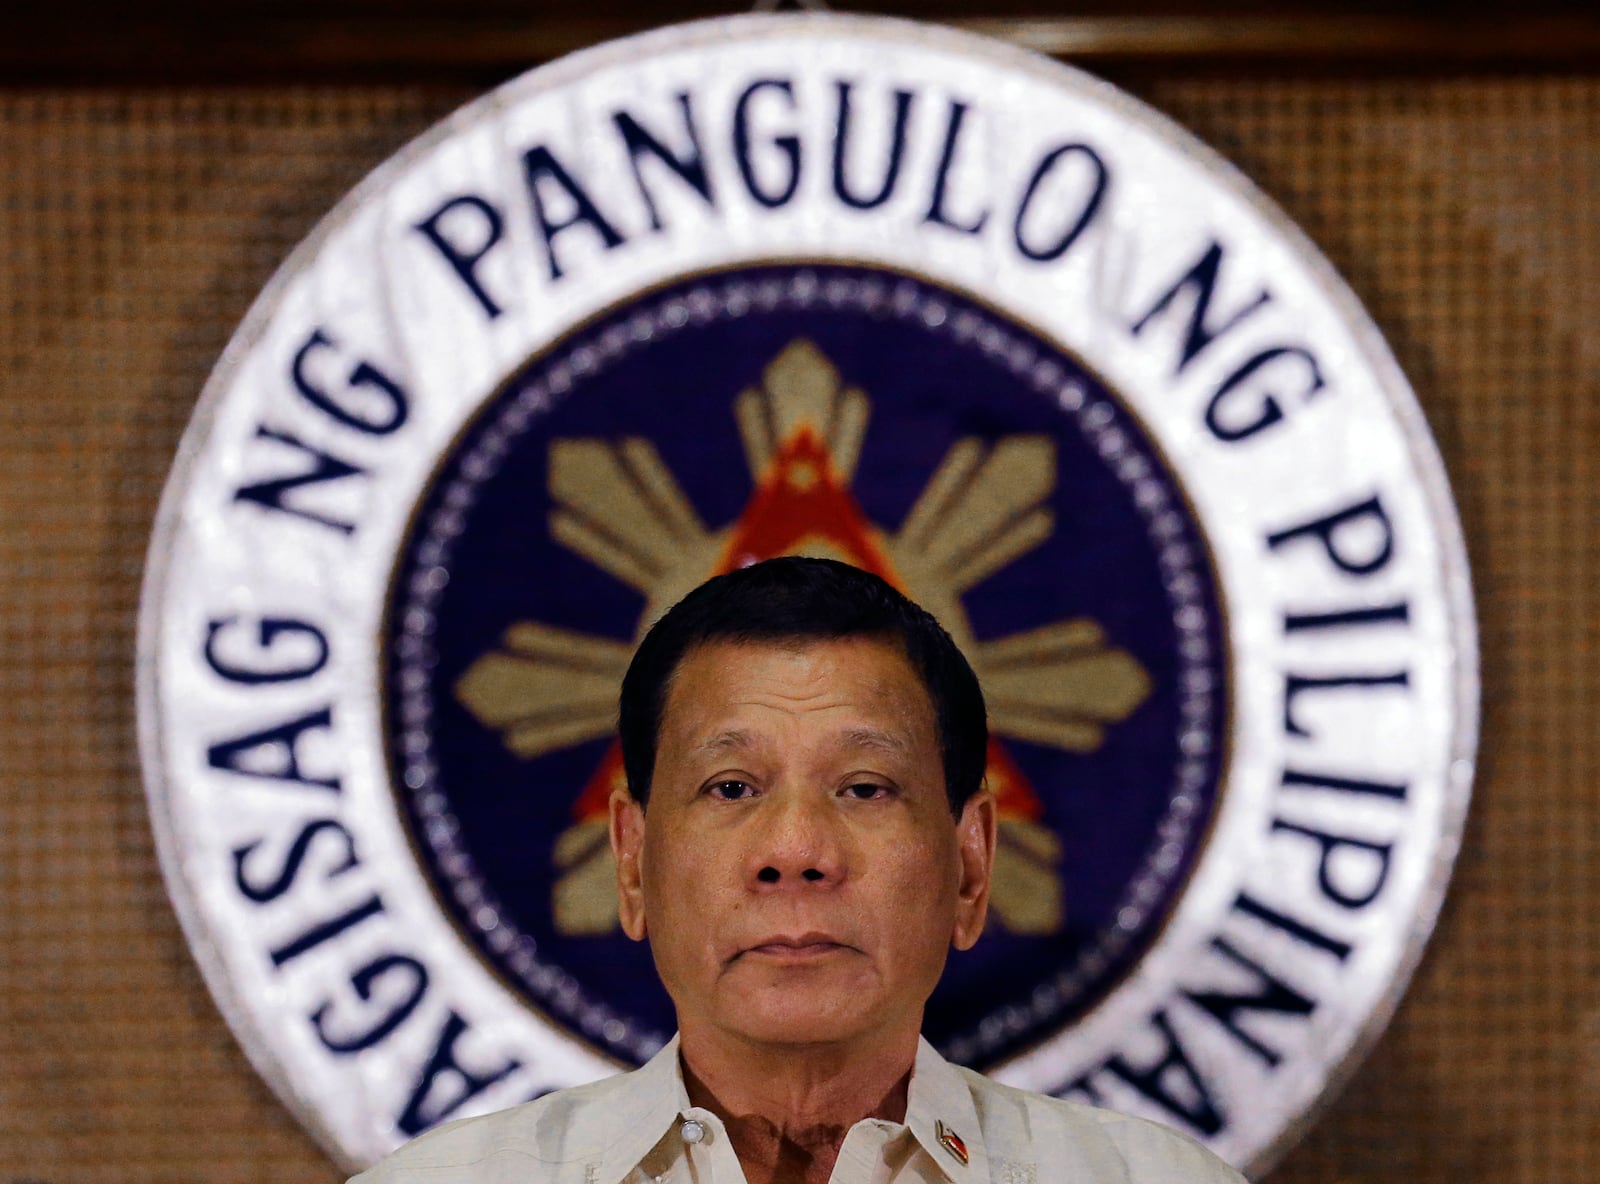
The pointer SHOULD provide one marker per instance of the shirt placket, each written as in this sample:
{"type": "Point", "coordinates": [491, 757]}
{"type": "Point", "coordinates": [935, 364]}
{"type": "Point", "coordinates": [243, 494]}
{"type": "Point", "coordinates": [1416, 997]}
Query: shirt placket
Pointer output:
{"type": "Point", "coordinates": [864, 1157]}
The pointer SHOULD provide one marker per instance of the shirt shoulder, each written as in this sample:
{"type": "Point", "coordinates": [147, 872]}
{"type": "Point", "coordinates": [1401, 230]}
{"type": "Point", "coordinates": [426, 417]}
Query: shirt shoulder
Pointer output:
{"type": "Point", "coordinates": [1082, 1142]}
{"type": "Point", "coordinates": [549, 1140]}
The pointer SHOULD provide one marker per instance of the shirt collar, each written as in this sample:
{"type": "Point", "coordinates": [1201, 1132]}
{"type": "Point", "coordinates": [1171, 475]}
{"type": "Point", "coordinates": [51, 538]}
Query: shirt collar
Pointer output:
{"type": "Point", "coordinates": [648, 1101]}
{"type": "Point", "coordinates": [939, 1102]}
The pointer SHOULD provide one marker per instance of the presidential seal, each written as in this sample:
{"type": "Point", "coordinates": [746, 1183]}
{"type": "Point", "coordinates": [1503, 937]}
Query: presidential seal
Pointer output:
{"type": "Point", "coordinates": [819, 285]}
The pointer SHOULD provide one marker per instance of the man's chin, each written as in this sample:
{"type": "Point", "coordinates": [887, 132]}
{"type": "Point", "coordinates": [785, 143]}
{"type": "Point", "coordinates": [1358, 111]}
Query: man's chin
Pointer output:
{"type": "Point", "coordinates": [798, 1031]}
{"type": "Point", "coordinates": [788, 1017]}
{"type": "Point", "coordinates": [759, 1002]}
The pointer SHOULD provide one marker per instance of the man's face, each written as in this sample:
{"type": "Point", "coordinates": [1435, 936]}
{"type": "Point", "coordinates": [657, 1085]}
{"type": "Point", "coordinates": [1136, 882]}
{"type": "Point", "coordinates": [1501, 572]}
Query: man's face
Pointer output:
{"type": "Point", "coordinates": [798, 870]}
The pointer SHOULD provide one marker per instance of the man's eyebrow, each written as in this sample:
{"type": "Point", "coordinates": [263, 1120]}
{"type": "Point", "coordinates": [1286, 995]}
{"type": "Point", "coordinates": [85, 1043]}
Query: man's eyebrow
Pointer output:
{"type": "Point", "coordinates": [877, 738]}
{"type": "Point", "coordinates": [734, 738]}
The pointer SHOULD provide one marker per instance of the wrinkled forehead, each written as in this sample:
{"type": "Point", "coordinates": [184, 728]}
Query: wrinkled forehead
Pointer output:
{"type": "Point", "coordinates": [862, 691]}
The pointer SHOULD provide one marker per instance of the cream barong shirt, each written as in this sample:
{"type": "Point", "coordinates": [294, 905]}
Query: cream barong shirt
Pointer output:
{"type": "Point", "coordinates": [960, 1128]}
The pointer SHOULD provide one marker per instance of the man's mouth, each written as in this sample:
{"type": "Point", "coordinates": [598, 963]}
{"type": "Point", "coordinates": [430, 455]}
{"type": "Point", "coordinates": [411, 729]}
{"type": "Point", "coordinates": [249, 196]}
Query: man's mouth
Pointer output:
{"type": "Point", "coordinates": [802, 948]}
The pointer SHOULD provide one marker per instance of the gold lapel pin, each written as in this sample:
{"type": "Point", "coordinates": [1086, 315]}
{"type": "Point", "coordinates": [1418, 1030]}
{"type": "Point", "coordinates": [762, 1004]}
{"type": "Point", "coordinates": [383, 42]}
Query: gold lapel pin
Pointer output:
{"type": "Point", "coordinates": [950, 1141]}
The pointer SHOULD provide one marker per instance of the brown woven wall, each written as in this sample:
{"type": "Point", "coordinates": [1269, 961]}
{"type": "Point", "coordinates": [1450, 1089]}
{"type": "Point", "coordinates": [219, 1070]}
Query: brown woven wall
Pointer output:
{"type": "Point", "coordinates": [135, 228]}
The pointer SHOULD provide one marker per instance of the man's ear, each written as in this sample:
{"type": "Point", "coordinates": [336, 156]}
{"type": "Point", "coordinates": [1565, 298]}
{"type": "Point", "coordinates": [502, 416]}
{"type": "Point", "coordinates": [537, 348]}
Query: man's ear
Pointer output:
{"type": "Point", "coordinates": [627, 849]}
{"type": "Point", "coordinates": [975, 838]}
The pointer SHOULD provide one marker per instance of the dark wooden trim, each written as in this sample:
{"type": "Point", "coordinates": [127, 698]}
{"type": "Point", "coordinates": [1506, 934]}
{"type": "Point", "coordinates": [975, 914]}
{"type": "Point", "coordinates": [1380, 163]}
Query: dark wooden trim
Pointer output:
{"type": "Point", "coordinates": [434, 42]}
{"type": "Point", "coordinates": [1350, 40]}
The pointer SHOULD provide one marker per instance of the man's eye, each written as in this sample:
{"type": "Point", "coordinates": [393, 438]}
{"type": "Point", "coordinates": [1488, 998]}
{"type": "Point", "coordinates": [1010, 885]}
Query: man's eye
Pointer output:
{"type": "Point", "coordinates": [730, 791]}
{"type": "Point", "coordinates": [866, 791]}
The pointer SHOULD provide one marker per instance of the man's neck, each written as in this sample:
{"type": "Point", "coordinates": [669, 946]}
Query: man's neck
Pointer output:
{"type": "Point", "coordinates": [788, 1108]}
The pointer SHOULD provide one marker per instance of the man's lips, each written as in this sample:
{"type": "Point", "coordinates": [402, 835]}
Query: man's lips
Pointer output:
{"type": "Point", "coordinates": [802, 948]}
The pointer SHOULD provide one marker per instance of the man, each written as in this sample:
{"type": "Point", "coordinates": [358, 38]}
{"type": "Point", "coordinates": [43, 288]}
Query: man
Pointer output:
{"type": "Point", "coordinates": [805, 835]}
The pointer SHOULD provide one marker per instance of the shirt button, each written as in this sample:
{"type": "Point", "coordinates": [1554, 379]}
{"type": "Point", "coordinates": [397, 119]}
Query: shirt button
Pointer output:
{"type": "Point", "coordinates": [692, 1130]}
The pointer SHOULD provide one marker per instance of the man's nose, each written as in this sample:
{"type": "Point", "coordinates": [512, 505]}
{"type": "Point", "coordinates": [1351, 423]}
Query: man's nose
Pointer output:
{"type": "Point", "coordinates": [800, 844]}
